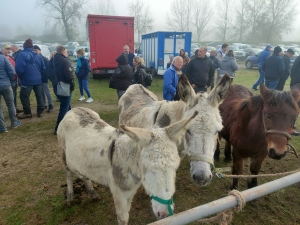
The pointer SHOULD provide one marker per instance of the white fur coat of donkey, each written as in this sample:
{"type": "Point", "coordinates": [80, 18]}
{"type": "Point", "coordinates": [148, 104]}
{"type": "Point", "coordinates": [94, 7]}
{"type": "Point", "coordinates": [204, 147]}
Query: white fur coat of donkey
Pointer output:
{"type": "Point", "coordinates": [139, 107]}
{"type": "Point", "coordinates": [122, 159]}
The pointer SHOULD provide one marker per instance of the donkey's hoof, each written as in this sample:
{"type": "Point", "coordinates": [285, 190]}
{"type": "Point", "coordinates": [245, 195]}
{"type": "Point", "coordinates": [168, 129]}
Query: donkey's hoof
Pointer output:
{"type": "Point", "coordinates": [228, 160]}
{"type": "Point", "coordinates": [217, 159]}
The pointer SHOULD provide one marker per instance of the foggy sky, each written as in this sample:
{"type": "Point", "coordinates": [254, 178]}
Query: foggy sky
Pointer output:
{"type": "Point", "coordinates": [18, 16]}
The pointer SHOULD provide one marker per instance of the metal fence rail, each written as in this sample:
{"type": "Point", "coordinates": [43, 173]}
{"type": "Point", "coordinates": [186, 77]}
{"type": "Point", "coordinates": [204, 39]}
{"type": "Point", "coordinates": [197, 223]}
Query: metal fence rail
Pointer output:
{"type": "Point", "coordinates": [222, 204]}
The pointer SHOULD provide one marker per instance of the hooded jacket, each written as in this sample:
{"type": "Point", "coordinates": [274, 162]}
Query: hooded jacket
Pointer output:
{"type": "Point", "coordinates": [122, 76]}
{"type": "Point", "coordinates": [170, 83]}
{"type": "Point", "coordinates": [30, 67]}
{"type": "Point", "coordinates": [7, 71]}
{"type": "Point", "coordinates": [200, 71]}
{"type": "Point", "coordinates": [83, 72]}
{"type": "Point", "coordinates": [228, 65]}
{"type": "Point", "coordinates": [273, 67]}
{"type": "Point", "coordinates": [262, 57]}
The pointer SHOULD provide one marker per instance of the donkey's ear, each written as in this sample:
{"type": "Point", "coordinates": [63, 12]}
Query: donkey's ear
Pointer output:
{"type": "Point", "coordinates": [219, 93]}
{"type": "Point", "coordinates": [139, 135]}
{"type": "Point", "coordinates": [295, 92]}
{"type": "Point", "coordinates": [264, 92]}
{"type": "Point", "coordinates": [177, 130]}
{"type": "Point", "coordinates": [185, 90]}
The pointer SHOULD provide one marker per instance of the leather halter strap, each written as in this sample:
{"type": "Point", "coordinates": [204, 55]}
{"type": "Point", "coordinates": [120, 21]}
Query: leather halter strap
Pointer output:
{"type": "Point", "coordinates": [273, 131]}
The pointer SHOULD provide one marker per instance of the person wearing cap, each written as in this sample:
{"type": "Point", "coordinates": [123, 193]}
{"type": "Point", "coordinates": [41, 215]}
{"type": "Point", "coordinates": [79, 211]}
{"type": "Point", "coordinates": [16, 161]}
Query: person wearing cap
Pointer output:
{"type": "Point", "coordinates": [30, 67]}
{"type": "Point", "coordinates": [6, 50]}
{"type": "Point", "coordinates": [287, 71]}
{"type": "Point", "coordinates": [46, 92]}
{"type": "Point", "coordinates": [273, 68]}
{"type": "Point", "coordinates": [7, 73]}
{"type": "Point", "coordinates": [261, 60]}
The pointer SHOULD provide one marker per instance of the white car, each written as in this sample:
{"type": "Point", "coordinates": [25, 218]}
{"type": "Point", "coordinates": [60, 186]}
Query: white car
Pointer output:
{"type": "Point", "coordinates": [86, 52]}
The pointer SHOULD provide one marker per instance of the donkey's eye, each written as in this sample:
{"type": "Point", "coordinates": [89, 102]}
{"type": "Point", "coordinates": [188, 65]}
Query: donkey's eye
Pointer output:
{"type": "Point", "coordinates": [189, 132]}
{"type": "Point", "coordinates": [269, 117]}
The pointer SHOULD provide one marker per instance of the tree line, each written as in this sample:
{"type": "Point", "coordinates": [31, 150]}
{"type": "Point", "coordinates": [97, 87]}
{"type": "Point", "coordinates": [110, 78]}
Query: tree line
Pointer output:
{"type": "Point", "coordinates": [239, 20]}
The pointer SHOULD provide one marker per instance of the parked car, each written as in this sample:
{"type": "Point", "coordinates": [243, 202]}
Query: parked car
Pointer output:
{"type": "Point", "coordinates": [252, 51]}
{"type": "Point", "coordinates": [71, 49]}
{"type": "Point", "coordinates": [252, 61]}
{"type": "Point", "coordinates": [238, 54]}
{"type": "Point", "coordinates": [296, 49]}
{"type": "Point", "coordinates": [36, 42]}
{"type": "Point", "coordinates": [45, 51]}
{"type": "Point", "coordinates": [262, 45]}
{"type": "Point", "coordinates": [214, 43]}
{"type": "Point", "coordinates": [86, 52]}
{"type": "Point", "coordinates": [72, 43]}
{"type": "Point", "coordinates": [86, 44]}
{"type": "Point", "coordinates": [194, 47]}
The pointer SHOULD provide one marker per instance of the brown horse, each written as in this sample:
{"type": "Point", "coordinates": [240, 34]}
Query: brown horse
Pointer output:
{"type": "Point", "coordinates": [256, 126]}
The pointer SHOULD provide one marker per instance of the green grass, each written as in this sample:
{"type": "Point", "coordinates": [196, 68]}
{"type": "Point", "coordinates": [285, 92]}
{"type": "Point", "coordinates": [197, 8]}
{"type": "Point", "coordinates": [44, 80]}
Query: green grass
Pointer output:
{"type": "Point", "coordinates": [32, 187]}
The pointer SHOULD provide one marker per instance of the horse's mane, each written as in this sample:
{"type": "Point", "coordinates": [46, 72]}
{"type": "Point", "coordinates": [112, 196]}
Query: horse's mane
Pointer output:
{"type": "Point", "coordinates": [276, 98]}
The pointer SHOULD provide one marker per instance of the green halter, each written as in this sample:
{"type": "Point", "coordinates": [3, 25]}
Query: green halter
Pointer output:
{"type": "Point", "coordinates": [168, 202]}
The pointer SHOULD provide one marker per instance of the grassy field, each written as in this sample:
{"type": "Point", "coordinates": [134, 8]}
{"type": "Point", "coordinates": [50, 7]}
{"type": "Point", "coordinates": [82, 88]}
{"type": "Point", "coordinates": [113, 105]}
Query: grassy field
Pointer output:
{"type": "Point", "coordinates": [33, 186]}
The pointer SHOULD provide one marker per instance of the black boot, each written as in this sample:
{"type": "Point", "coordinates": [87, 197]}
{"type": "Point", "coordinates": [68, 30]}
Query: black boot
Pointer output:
{"type": "Point", "coordinates": [50, 108]}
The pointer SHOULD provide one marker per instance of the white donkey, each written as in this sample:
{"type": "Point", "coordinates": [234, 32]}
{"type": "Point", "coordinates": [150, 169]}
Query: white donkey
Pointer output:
{"type": "Point", "coordinates": [122, 159]}
{"type": "Point", "coordinates": [139, 107]}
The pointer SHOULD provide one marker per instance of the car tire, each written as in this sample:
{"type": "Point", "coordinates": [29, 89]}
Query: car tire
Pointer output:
{"type": "Point", "coordinates": [248, 65]}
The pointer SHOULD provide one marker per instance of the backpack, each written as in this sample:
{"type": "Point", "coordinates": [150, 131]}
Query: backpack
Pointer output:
{"type": "Point", "coordinates": [148, 79]}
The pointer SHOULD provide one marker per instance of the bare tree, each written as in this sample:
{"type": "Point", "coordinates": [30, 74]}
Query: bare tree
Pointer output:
{"type": "Point", "coordinates": [224, 19]}
{"type": "Point", "coordinates": [104, 7]}
{"type": "Point", "coordinates": [256, 12]}
{"type": "Point", "coordinates": [66, 13]}
{"type": "Point", "coordinates": [202, 15]}
{"type": "Point", "coordinates": [143, 20]}
{"type": "Point", "coordinates": [240, 25]}
{"type": "Point", "coordinates": [280, 21]}
{"type": "Point", "coordinates": [180, 18]}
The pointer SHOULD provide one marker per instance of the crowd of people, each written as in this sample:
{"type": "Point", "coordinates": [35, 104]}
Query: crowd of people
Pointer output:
{"type": "Point", "coordinates": [274, 70]}
{"type": "Point", "coordinates": [30, 70]}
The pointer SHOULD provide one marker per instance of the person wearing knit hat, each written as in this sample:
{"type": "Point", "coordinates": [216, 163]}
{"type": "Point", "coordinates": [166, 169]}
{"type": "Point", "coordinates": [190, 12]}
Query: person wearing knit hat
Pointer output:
{"type": "Point", "coordinates": [28, 44]}
{"type": "Point", "coordinates": [287, 64]}
{"type": "Point", "coordinates": [30, 67]}
{"type": "Point", "coordinates": [274, 68]}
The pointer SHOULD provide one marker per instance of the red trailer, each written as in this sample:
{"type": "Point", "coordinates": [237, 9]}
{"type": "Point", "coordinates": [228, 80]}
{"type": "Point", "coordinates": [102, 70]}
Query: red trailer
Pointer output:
{"type": "Point", "coordinates": [107, 36]}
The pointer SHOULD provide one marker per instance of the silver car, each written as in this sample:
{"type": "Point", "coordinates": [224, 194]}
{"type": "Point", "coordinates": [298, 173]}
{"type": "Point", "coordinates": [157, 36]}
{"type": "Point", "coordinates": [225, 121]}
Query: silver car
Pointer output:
{"type": "Point", "coordinates": [86, 52]}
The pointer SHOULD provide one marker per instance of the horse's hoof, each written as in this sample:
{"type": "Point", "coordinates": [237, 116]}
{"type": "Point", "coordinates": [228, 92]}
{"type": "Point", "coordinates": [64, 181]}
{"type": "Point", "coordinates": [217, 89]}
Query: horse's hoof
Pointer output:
{"type": "Point", "coordinates": [97, 199]}
{"type": "Point", "coordinates": [251, 185]}
{"type": "Point", "coordinates": [69, 204]}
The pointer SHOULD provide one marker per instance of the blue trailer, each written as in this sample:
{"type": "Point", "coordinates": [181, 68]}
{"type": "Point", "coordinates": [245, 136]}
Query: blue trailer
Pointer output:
{"type": "Point", "coordinates": [157, 47]}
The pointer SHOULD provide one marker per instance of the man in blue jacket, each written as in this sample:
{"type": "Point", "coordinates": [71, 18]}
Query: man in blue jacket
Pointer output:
{"type": "Point", "coordinates": [171, 78]}
{"type": "Point", "coordinates": [261, 60]}
{"type": "Point", "coordinates": [274, 68]}
{"type": "Point", "coordinates": [30, 67]}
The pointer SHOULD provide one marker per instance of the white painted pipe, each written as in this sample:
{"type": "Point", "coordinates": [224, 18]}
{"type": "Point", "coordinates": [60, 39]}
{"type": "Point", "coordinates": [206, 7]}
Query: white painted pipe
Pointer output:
{"type": "Point", "coordinates": [228, 202]}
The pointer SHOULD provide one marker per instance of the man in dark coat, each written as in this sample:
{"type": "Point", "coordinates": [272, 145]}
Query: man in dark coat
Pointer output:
{"type": "Point", "coordinates": [122, 77]}
{"type": "Point", "coordinates": [295, 72]}
{"type": "Point", "coordinates": [47, 95]}
{"type": "Point", "coordinates": [200, 71]}
{"type": "Point", "coordinates": [287, 71]}
{"type": "Point", "coordinates": [30, 67]}
{"type": "Point", "coordinates": [129, 55]}
{"type": "Point", "coordinates": [274, 68]}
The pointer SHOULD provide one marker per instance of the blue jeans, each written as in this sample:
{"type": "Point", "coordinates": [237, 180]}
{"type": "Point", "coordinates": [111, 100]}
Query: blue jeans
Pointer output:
{"type": "Point", "coordinates": [261, 78]}
{"type": "Point", "coordinates": [65, 106]}
{"type": "Point", "coordinates": [83, 85]}
{"type": "Point", "coordinates": [271, 84]}
{"type": "Point", "coordinates": [7, 93]}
